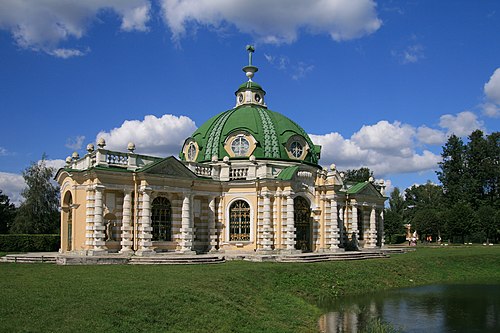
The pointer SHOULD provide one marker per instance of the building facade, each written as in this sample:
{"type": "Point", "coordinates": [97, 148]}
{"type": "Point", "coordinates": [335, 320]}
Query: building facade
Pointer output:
{"type": "Point", "coordinates": [247, 181]}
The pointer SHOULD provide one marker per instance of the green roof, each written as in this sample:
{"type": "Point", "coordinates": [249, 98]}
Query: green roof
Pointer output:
{"type": "Point", "coordinates": [271, 130]}
{"type": "Point", "coordinates": [288, 173]}
{"type": "Point", "coordinates": [357, 188]}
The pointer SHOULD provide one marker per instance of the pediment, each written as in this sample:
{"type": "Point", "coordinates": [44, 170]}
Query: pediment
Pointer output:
{"type": "Point", "coordinates": [170, 167]}
{"type": "Point", "coordinates": [366, 190]}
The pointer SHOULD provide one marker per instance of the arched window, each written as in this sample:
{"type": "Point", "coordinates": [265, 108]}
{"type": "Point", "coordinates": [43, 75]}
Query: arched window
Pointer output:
{"type": "Point", "coordinates": [239, 221]}
{"type": "Point", "coordinates": [161, 219]}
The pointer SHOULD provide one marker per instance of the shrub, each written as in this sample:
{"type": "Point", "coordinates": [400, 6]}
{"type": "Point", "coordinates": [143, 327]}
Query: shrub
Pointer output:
{"type": "Point", "coordinates": [29, 243]}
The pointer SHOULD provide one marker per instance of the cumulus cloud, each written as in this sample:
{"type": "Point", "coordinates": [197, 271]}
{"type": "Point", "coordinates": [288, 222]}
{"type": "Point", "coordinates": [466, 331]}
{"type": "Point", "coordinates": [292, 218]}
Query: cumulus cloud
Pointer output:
{"type": "Point", "coordinates": [386, 148]}
{"type": "Point", "coordinates": [3, 151]}
{"type": "Point", "coordinates": [430, 136]}
{"type": "Point", "coordinates": [461, 124]}
{"type": "Point", "coordinates": [12, 185]}
{"type": "Point", "coordinates": [384, 136]}
{"type": "Point", "coordinates": [492, 94]}
{"type": "Point", "coordinates": [156, 136]}
{"type": "Point", "coordinates": [75, 143]}
{"type": "Point", "coordinates": [42, 25]}
{"type": "Point", "coordinates": [277, 21]}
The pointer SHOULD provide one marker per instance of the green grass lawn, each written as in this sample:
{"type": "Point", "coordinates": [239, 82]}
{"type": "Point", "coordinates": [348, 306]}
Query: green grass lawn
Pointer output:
{"type": "Point", "coordinates": [232, 297]}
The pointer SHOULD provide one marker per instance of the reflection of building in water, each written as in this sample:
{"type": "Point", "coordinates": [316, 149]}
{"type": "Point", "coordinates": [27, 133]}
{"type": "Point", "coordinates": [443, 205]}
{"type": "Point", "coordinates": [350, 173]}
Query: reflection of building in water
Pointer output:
{"type": "Point", "coordinates": [246, 180]}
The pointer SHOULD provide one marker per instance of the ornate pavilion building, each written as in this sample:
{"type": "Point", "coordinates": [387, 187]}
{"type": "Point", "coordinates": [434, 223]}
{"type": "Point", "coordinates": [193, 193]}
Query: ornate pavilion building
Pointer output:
{"type": "Point", "coordinates": [247, 181]}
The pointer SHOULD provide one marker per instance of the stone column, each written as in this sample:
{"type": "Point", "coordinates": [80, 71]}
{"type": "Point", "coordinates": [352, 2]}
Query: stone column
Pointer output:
{"type": "Point", "coordinates": [371, 242]}
{"type": "Point", "coordinates": [354, 221]}
{"type": "Point", "coordinates": [334, 226]}
{"type": "Point", "coordinates": [145, 230]}
{"type": "Point", "coordinates": [186, 226]}
{"type": "Point", "coordinates": [267, 237]}
{"type": "Point", "coordinates": [99, 244]}
{"type": "Point", "coordinates": [89, 228]}
{"type": "Point", "coordinates": [212, 228]}
{"type": "Point", "coordinates": [126, 228]}
{"type": "Point", "coordinates": [381, 228]}
{"type": "Point", "coordinates": [289, 228]}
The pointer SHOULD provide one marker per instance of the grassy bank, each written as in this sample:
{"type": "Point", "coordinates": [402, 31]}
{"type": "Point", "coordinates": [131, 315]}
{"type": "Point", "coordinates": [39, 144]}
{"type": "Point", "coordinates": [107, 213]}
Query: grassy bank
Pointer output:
{"type": "Point", "coordinates": [231, 297]}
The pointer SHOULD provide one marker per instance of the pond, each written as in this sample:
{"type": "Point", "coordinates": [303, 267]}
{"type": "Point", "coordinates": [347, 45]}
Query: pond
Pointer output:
{"type": "Point", "coordinates": [435, 308]}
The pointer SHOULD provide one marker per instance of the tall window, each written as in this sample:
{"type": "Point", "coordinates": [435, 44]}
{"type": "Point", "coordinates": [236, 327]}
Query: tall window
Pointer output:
{"type": "Point", "coordinates": [161, 219]}
{"type": "Point", "coordinates": [239, 221]}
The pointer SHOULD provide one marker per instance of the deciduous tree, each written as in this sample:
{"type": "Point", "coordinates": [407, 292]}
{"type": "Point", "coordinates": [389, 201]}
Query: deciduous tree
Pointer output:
{"type": "Point", "coordinates": [38, 213]}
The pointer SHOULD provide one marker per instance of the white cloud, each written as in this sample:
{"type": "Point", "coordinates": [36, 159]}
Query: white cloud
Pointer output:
{"type": "Point", "coordinates": [67, 53]}
{"type": "Point", "coordinates": [410, 55]}
{"type": "Point", "coordinates": [491, 110]}
{"type": "Point", "coordinates": [56, 164]}
{"type": "Point", "coordinates": [492, 94]}
{"type": "Point", "coordinates": [157, 136]}
{"type": "Point", "coordinates": [43, 24]}
{"type": "Point", "coordinates": [3, 151]}
{"type": "Point", "coordinates": [277, 21]}
{"type": "Point", "coordinates": [75, 143]}
{"type": "Point", "coordinates": [430, 136]}
{"type": "Point", "coordinates": [385, 137]}
{"type": "Point", "coordinates": [12, 185]}
{"type": "Point", "coordinates": [386, 148]}
{"type": "Point", "coordinates": [492, 87]}
{"type": "Point", "coordinates": [463, 124]}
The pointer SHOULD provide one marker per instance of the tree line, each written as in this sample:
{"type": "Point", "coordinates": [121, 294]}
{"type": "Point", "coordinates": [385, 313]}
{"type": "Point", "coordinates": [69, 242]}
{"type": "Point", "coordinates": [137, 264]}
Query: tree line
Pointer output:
{"type": "Point", "coordinates": [39, 211]}
{"type": "Point", "coordinates": [466, 206]}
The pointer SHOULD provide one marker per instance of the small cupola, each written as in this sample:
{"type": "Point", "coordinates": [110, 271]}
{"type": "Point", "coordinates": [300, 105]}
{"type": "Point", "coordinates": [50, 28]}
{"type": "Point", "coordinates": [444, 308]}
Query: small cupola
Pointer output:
{"type": "Point", "coordinates": [250, 92]}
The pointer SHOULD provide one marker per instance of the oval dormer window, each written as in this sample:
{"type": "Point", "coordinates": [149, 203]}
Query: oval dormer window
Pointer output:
{"type": "Point", "coordinates": [258, 98]}
{"type": "Point", "coordinates": [192, 151]}
{"type": "Point", "coordinates": [296, 149]}
{"type": "Point", "coordinates": [240, 146]}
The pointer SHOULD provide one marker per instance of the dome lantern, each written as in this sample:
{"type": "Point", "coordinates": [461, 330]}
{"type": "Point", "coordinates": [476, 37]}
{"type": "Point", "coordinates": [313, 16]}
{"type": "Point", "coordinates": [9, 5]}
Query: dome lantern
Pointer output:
{"type": "Point", "coordinates": [250, 92]}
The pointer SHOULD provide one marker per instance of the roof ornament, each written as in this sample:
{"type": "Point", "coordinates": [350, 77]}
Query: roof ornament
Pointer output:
{"type": "Point", "coordinates": [250, 69]}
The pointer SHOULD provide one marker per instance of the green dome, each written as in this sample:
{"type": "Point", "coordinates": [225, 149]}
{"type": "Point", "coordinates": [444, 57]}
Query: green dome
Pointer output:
{"type": "Point", "coordinates": [271, 136]}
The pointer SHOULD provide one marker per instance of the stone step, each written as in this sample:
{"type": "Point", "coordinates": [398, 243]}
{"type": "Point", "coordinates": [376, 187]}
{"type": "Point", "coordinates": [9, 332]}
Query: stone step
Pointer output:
{"type": "Point", "coordinates": [28, 259]}
{"type": "Point", "coordinates": [332, 257]}
{"type": "Point", "coordinates": [176, 260]}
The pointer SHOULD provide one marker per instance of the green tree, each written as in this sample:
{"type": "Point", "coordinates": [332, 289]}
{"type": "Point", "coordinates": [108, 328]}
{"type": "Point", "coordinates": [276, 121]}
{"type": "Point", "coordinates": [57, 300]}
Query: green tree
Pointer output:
{"type": "Point", "coordinates": [39, 212]}
{"type": "Point", "coordinates": [452, 173]}
{"type": "Point", "coordinates": [477, 170]}
{"type": "Point", "coordinates": [358, 175]}
{"type": "Point", "coordinates": [488, 223]}
{"type": "Point", "coordinates": [7, 213]}
{"type": "Point", "coordinates": [460, 220]}
{"type": "Point", "coordinates": [394, 214]}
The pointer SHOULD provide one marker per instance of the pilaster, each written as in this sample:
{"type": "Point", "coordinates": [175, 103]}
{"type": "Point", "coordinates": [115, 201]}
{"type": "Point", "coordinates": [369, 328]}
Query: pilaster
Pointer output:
{"type": "Point", "coordinates": [98, 243]}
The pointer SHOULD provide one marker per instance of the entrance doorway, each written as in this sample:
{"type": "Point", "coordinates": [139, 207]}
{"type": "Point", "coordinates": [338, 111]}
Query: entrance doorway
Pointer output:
{"type": "Point", "coordinates": [303, 224]}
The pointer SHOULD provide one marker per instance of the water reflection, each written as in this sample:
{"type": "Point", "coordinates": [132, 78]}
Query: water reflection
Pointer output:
{"type": "Point", "coordinates": [437, 308]}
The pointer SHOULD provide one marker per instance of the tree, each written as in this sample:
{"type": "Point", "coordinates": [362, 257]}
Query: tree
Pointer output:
{"type": "Point", "coordinates": [394, 215]}
{"type": "Point", "coordinates": [7, 213]}
{"type": "Point", "coordinates": [452, 167]}
{"type": "Point", "coordinates": [39, 213]}
{"type": "Point", "coordinates": [358, 175]}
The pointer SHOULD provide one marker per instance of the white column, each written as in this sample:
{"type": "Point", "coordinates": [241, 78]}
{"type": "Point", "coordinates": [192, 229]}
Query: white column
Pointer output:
{"type": "Point", "coordinates": [212, 228]}
{"type": "Point", "coordinates": [186, 225]}
{"type": "Point", "coordinates": [145, 230]}
{"type": "Point", "coordinates": [354, 221]}
{"type": "Point", "coordinates": [381, 228]}
{"type": "Point", "coordinates": [126, 228]}
{"type": "Point", "coordinates": [289, 230]}
{"type": "Point", "coordinates": [267, 237]}
{"type": "Point", "coordinates": [99, 228]}
{"type": "Point", "coordinates": [334, 225]}
{"type": "Point", "coordinates": [89, 228]}
{"type": "Point", "coordinates": [371, 240]}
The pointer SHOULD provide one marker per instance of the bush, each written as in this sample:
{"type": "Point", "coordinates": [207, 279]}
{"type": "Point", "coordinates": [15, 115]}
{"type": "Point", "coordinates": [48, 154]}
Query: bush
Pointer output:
{"type": "Point", "coordinates": [29, 243]}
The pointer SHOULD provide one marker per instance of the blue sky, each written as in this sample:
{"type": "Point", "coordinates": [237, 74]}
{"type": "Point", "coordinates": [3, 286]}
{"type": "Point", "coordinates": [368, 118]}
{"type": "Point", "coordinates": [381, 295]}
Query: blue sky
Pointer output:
{"type": "Point", "coordinates": [377, 83]}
